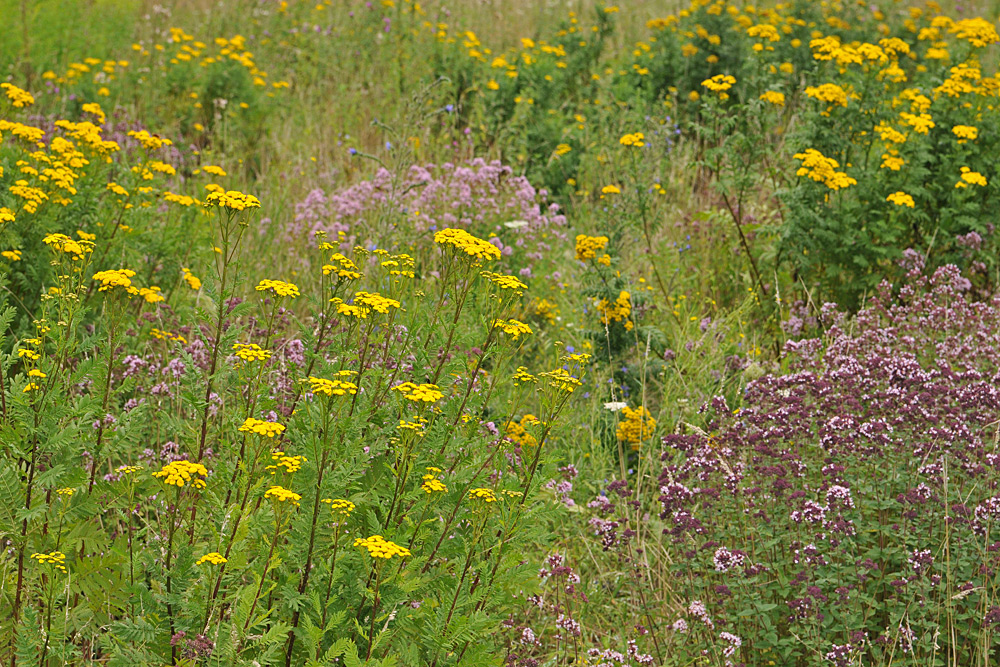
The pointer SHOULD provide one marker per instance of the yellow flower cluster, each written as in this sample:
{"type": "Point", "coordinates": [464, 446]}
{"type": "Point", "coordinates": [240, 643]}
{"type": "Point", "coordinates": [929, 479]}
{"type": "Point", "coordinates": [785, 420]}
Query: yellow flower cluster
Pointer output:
{"type": "Point", "coordinates": [616, 311]}
{"type": "Point", "coordinates": [282, 495]}
{"type": "Point", "coordinates": [339, 506]}
{"type": "Point", "coordinates": [344, 268]}
{"type": "Point", "coordinates": [379, 547]}
{"type": "Point", "coordinates": [427, 393]}
{"type": "Point", "coordinates": [182, 472]}
{"type": "Point", "coordinates": [261, 427]}
{"type": "Point", "coordinates": [970, 177]}
{"type": "Point", "coordinates": [248, 352]}
{"type": "Point", "coordinates": [417, 424]}
{"type": "Point", "coordinates": [637, 425]}
{"type": "Point", "coordinates": [116, 278]}
{"type": "Point", "coordinates": [77, 250]}
{"type": "Point", "coordinates": [431, 482]}
{"type": "Point", "coordinates": [561, 380]}
{"type": "Point", "coordinates": [504, 282]}
{"type": "Point", "coordinates": [900, 199]}
{"type": "Point", "coordinates": [278, 287]}
{"type": "Point", "coordinates": [965, 133]}
{"type": "Point", "coordinates": [587, 247]}
{"type": "Point", "coordinates": [518, 432]}
{"type": "Point", "coordinates": [921, 123]}
{"type": "Point", "coordinates": [376, 302]}
{"type": "Point", "coordinates": [512, 328]}
{"type": "Point", "coordinates": [464, 242]}
{"type": "Point", "coordinates": [151, 294]}
{"type": "Point", "coordinates": [18, 97]}
{"type": "Point", "coordinates": [822, 170]}
{"type": "Point", "coordinates": [215, 558]}
{"type": "Point", "coordinates": [55, 558]}
{"type": "Point", "coordinates": [719, 83]}
{"type": "Point", "coordinates": [193, 281]}
{"type": "Point", "coordinates": [828, 92]}
{"type": "Point", "coordinates": [522, 376]}
{"type": "Point", "coordinates": [232, 200]}
{"type": "Point", "coordinates": [486, 495]}
{"type": "Point", "coordinates": [149, 141]}
{"type": "Point", "coordinates": [6, 215]}
{"type": "Point", "coordinates": [773, 97]}
{"type": "Point", "coordinates": [634, 140]}
{"type": "Point", "coordinates": [331, 387]}
{"type": "Point", "coordinates": [289, 464]}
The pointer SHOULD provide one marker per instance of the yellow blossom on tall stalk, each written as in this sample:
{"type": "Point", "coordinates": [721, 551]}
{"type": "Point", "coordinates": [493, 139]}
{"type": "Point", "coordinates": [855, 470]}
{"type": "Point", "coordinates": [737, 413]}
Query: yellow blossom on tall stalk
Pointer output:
{"type": "Point", "coordinates": [970, 177]}
{"type": "Point", "coordinates": [248, 352]}
{"type": "Point", "coordinates": [485, 495]}
{"type": "Point", "coordinates": [633, 140]}
{"type": "Point", "coordinates": [464, 242]}
{"type": "Point", "coordinates": [232, 200]}
{"type": "Point", "coordinates": [379, 547]}
{"type": "Point", "coordinates": [179, 473]}
{"type": "Point", "coordinates": [587, 247]}
{"type": "Point", "coordinates": [900, 199]}
{"type": "Point", "coordinates": [636, 426]}
{"type": "Point", "coordinates": [55, 558]}
{"type": "Point", "coordinates": [19, 98]}
{"type": "Point", "coordinates": [115, 279]}
{"type": "Point", "coordinates": [282, 495]}
{"type": "Point", "coordinates": [513, 328]}
{"type": "Point", "coordinates": [278, 287]}
{"type": "Point", "coordinates": [719, 83]}
{"type": "Point", "coordinates": [326, 387]}
{"type": "Point", "coordinates": [616, 311]}
{"type": "Point", "coordinates": [339, 506]}
{"type": "Point", "coordinates": [261, 427]}
{"type": "Point", "coordinates": [215, 558]}
{"type": "Point", "coordinates": [822, 170]}
{"type": "Point", "coordinates": [419, 393]}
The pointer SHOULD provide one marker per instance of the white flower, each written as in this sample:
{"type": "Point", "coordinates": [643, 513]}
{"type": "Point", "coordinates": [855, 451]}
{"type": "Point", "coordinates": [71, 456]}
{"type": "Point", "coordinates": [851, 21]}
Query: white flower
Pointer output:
{"type": "Point", "coordinates": [516, 224]}
{"type": "Point", "coordinates": [615, 406]}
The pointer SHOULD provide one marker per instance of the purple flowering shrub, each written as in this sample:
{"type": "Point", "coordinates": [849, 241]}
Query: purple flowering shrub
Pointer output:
{"type": "Point", "coordinates": [485, 198]}
{"type": "Point", "coordinates": [844, 513]}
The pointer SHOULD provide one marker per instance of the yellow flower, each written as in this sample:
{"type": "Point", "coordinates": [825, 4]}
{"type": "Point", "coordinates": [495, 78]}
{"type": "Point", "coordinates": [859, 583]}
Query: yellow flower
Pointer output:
{"type": "Point", "coordinates": [282, 495]}
{"type": "Point", "coordinates": [431, 482]}
{"type": "Point", "coordinates": [426, 393]}
{"type": "Point", "coordinates": [290, 464]}
{"type": "Point", "coordinates": [634, 140]}
{"type": "Point", "coordinates": [719, 83]}
{"type": "Point", "coordinates": [970, 177]}
{"type": "Point", "coordinates": [248, 352]}
{"type": "Point", "coordinates": [215, 558]}
{"type": "Point", "coordinates": [774, 97]}
{"type": "Point", "coordinates": [376, 302]}
{"type": "Point", "coordinates": [55, 558]}
{"type": "Point", "coordinates": [263, 428]}
{"type": "Point", "coordinates": [616, 311]}
{"type": "Point", "coordinates": [232, 200]}
{"type": "Point", "coordinates": [151, 294]}
{"type": "Point", "coordinates": [561, 380]}
{"type": "Point", "coordinates": [192, 281]}
{"type": "Point", "coordinates": [181, 472]}
{"type": "Point", "coordinates": [636, 425]}
{"type": "Point", "coordinates": [466, 243]}
{"type": "Point", "coordinates": [920, 124]}
{"type": "Point", "coordinates": [116, 278]}
{"type": "Point", "coordinates": [610, 190]}
{"type": "Point", "coordinates": [900, 199]}
{"type": "Point", "coordinates": [822, 170]}
{"type": "Point", "coordinates": [331, 387]}
{"type": "Point", "coordinates": [214, 170]}
{"type": "Point", "coordinates": [11, 255]}
{"type": "Point", "coordinates": [149, 141]}
{"type": "Point", "coordinates": [339, 506]}
{"type": "Point", "coordinates": [18, 97]}
{"type": "Point", "coordinates": [379, 547]}
{"type": "Point", "coordinates": [892, 162]}
{"type": "Point", "coordinates": [486, 495]}
{"type": "Point", "coordinates": [513, 328]}
{"type": "Point", "coordinates": [828, 92]}
{"type": "Point", "coordinates": [278, 287]}
{"type": "Point", "coordinates": [6, 215]}
{"type": "Point", "coordinates": [965, 133]}
{"type": "Point", "coordinates": [522, 376]}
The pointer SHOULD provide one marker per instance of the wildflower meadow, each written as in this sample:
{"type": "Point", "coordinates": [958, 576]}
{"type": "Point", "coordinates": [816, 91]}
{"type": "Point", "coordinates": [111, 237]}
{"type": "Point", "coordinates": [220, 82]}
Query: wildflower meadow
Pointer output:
{"type": "Point", "coordinates": [523, 334]}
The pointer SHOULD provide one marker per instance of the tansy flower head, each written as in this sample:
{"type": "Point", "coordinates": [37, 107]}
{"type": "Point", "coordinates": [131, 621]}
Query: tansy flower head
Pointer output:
{"type": "Point", "coordinates": [427, 393]}
{"type": "Point", "coordinates": [183, 472]}
{"type": "Point", "coordinates": [485, 495]}
{"type": "Point", "coordinates": [116, 279]}
{"type": "Point", "coordinates": [263, 428]}
{"type": "Point", "coordinates": [278, 287]}
{"type": "Point", "coordinates": [56, 558]}
{"type": "Point", "coordinates": [331, 387]}
{"type": "Point", "coordinates": [636, 425]}
{"type": "Point", "coordinates": [282, 495]}
{"type": "Point", "coordinates": [970, 177]}
{"type": "Point", "coordinates": [512, 328]}
{"type": "Point", "coordinates": [587, 247]}
{"type": "Point", "coordinates": [285, 463]}
{"type": "Point", "coordinates": [464, 242]}
{"type": "Point", "coordinates": [900, 199]}
{"type": "Point", "coordinates": [339, 506]}
{"type": "Point", "coordinates": [719, 83]}
{"type": "Point", "coordinates": [232, 200]}
{"type": "Point", "coordinates": [19, 98]}
{"type": "Point", "coordinates": [379, 547]}
{"type": "Point", "coordinates": [634, 140]}
{"type": "Point", "coordinates": [215, 558]}
{"type": "Point", "coordinates": [248, 352]}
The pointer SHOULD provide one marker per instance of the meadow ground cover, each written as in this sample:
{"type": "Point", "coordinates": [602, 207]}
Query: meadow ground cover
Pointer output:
{"type": "Point", "coordinates": [524, 334]}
